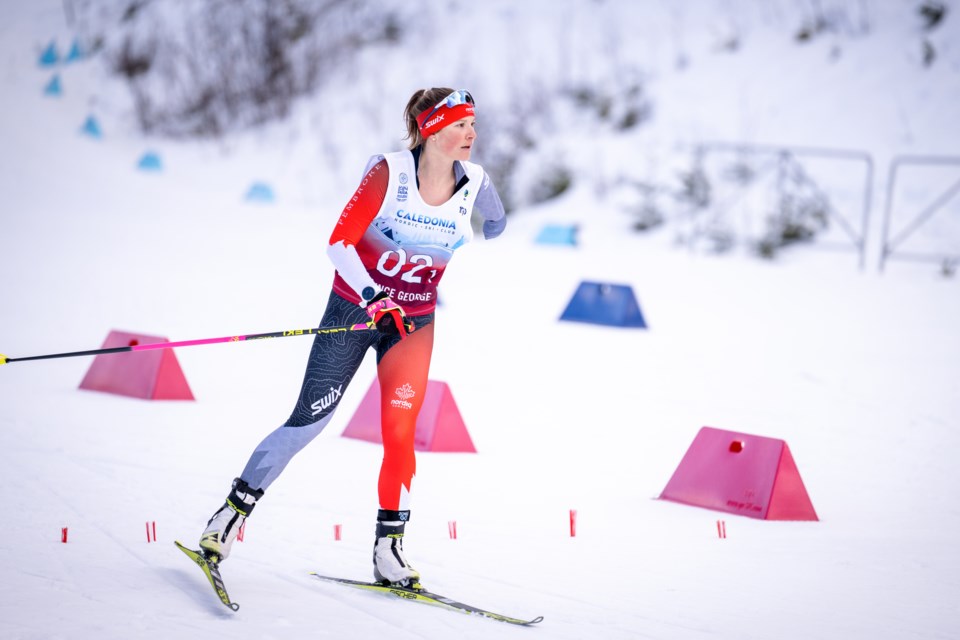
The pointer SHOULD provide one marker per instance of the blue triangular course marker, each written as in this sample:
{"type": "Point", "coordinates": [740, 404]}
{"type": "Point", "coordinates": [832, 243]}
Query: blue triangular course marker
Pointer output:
{"type": "Point", "coordinates": [259, 192]}
{"type": "Point", "coordinates": [558, 234]}
{"type": "Point", "coordinates": [613, 305]}
{"type": "Point", "coordinates": [76, 53]}
{"type": "Point", "coordinates": [49, 56]}
{"type": "Point", "coordinates": [92, 128]}
{"type": "Point", "coordinates": [53, 87]}
{"type": "Point", "coordinates": [150, 161]}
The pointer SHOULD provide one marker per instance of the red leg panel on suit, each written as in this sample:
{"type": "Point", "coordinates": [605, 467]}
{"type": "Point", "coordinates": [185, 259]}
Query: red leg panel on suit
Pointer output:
{"type": "Point", "coordinates": [403, 373]}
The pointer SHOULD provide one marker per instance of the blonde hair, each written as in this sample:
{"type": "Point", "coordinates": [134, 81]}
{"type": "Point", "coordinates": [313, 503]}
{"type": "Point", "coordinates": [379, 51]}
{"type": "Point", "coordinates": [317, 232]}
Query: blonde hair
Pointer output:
{"type": "Point", "coordinates": [420, 101]}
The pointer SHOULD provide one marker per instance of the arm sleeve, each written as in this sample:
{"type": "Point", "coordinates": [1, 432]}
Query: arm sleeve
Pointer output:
{"type": "Point", "coordinates": [490, 209]}
{"type": "Point", "coordinates": [354, 220]}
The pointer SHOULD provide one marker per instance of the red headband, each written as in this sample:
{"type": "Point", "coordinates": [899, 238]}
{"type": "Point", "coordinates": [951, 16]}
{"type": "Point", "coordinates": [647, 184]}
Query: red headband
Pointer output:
{"type": "Point", "coordinates": [432, 120]}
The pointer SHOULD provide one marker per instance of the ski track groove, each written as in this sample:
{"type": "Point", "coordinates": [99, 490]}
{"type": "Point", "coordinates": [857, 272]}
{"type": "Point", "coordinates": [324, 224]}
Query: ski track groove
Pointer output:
{"type": "Point", "coordinates": [164, 575]}
{"type": "Point", "coordinates": [389, 625]}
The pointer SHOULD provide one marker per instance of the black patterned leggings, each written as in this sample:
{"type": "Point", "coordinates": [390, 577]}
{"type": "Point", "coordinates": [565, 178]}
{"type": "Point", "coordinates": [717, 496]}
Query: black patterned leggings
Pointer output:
{"type": "Point", "coordinates": [402, 368]}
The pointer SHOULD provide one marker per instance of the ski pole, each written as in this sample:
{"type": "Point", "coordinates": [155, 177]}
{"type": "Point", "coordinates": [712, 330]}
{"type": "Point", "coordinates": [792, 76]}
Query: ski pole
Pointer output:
{"type": "Point", "coordinates": [190, 343]}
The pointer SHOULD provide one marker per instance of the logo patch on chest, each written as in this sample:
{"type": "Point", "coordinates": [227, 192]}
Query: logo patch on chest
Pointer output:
{"type": "Point", "coordinates": [426, 221]}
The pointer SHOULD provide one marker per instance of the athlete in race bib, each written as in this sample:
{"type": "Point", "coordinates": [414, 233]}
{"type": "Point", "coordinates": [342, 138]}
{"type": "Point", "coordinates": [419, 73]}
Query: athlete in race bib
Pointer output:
{"type": "Point", "coordinates": [390, 248]}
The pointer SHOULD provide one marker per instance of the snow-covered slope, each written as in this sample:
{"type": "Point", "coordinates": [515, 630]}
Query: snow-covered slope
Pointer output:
{"type": "Point", "coordinates": [857, 371]}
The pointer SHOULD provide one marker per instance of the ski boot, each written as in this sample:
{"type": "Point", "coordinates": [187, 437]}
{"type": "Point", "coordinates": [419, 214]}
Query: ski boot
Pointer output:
{"type": "Point", "coordinates": [224, 525]}
{"type": "Point", "coordinates": [390, 567]}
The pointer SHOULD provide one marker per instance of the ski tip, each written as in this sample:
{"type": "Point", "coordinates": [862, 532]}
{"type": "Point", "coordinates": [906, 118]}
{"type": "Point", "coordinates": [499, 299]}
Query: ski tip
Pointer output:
{"type": "Point", "coordinates": [193, 554]}
{"type": "Point", "coordinates": [3, 359]}
{"type": "Point", "coordinates": [206, 556]}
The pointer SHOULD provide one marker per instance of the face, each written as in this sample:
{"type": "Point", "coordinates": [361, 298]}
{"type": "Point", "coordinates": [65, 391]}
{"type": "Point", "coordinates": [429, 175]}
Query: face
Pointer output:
{"type": "Point", "coordinates": [456, 140]}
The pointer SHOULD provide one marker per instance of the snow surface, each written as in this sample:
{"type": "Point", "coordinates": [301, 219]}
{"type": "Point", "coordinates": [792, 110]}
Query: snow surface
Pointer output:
{"type": "Point", "coordinates": [857, 371]}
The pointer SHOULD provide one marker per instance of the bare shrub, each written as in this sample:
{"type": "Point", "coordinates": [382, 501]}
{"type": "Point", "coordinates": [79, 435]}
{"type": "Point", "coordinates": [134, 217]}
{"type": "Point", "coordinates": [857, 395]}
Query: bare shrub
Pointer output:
{"type": "Point", "coordinates": [203, 67]}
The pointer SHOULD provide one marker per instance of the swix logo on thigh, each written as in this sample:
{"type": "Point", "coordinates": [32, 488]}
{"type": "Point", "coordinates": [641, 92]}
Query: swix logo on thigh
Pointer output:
{"type": "Point", "coordinates": [327, 400]}
{"type": "Point", "coordinates": [404, 393]}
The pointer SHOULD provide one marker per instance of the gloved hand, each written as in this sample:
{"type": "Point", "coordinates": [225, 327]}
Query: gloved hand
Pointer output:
{"type": "Point", "coordinates": [388, 316]}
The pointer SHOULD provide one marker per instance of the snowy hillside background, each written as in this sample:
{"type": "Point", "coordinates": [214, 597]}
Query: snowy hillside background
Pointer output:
{"type": "Point", "coordinates": [856, 369]}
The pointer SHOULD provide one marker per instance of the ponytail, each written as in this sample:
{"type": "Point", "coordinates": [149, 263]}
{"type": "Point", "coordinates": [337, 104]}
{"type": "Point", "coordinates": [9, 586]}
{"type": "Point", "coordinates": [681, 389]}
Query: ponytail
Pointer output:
{"type": "Point", "coordinates": [420, 101]}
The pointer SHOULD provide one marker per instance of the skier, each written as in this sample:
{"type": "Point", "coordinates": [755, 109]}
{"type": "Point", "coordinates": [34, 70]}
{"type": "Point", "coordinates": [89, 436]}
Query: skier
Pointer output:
{"type": "Point", "coordinates": [390, 248]}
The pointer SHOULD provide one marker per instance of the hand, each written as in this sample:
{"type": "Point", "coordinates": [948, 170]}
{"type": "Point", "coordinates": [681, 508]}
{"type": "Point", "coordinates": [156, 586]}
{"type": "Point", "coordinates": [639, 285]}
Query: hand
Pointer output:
{"type": "Point", "coordinates": [387, 316]}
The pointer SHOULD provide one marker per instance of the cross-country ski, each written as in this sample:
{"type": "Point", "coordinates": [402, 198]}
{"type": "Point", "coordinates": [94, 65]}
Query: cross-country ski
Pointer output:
{"type": "Point", "coordinates": [426, 597]}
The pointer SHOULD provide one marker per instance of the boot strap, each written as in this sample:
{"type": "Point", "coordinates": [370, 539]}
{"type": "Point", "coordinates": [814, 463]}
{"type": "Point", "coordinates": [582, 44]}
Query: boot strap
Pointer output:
{"type": "Point", "coordinates": [386, 530]}
{"type": "Point", "coordinates": [386, 515]}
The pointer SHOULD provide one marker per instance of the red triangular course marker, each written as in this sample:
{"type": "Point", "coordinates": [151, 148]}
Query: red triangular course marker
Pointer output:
{"type": "Point", "coordinates": [152, 375]}
{"type": "Point", "coordinates": [440, 426]}
{"type": "Point", "coordinates": [740, 473]}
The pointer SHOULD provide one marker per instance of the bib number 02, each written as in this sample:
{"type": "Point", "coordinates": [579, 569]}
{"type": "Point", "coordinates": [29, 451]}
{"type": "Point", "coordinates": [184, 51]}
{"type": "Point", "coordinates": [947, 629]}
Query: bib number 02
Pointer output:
{"type": "Point", "coordinates": [398, 259]}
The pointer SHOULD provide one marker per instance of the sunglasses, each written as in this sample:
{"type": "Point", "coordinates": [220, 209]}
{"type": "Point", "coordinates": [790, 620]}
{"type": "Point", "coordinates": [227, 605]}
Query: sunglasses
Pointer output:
{"type": "Point", "coordinates": [460, 96]}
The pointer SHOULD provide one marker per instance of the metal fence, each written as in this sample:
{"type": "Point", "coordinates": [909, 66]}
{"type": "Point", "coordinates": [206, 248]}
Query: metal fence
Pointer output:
{"type": "Point", "coordinates": [788, 163]}
{"type": "Point", "coordinates": [894, 241]}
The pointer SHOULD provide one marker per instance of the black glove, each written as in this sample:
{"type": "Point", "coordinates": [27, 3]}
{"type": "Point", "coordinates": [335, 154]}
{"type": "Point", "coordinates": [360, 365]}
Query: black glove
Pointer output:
{"type": "Point", "coordinates": [388, 316]}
